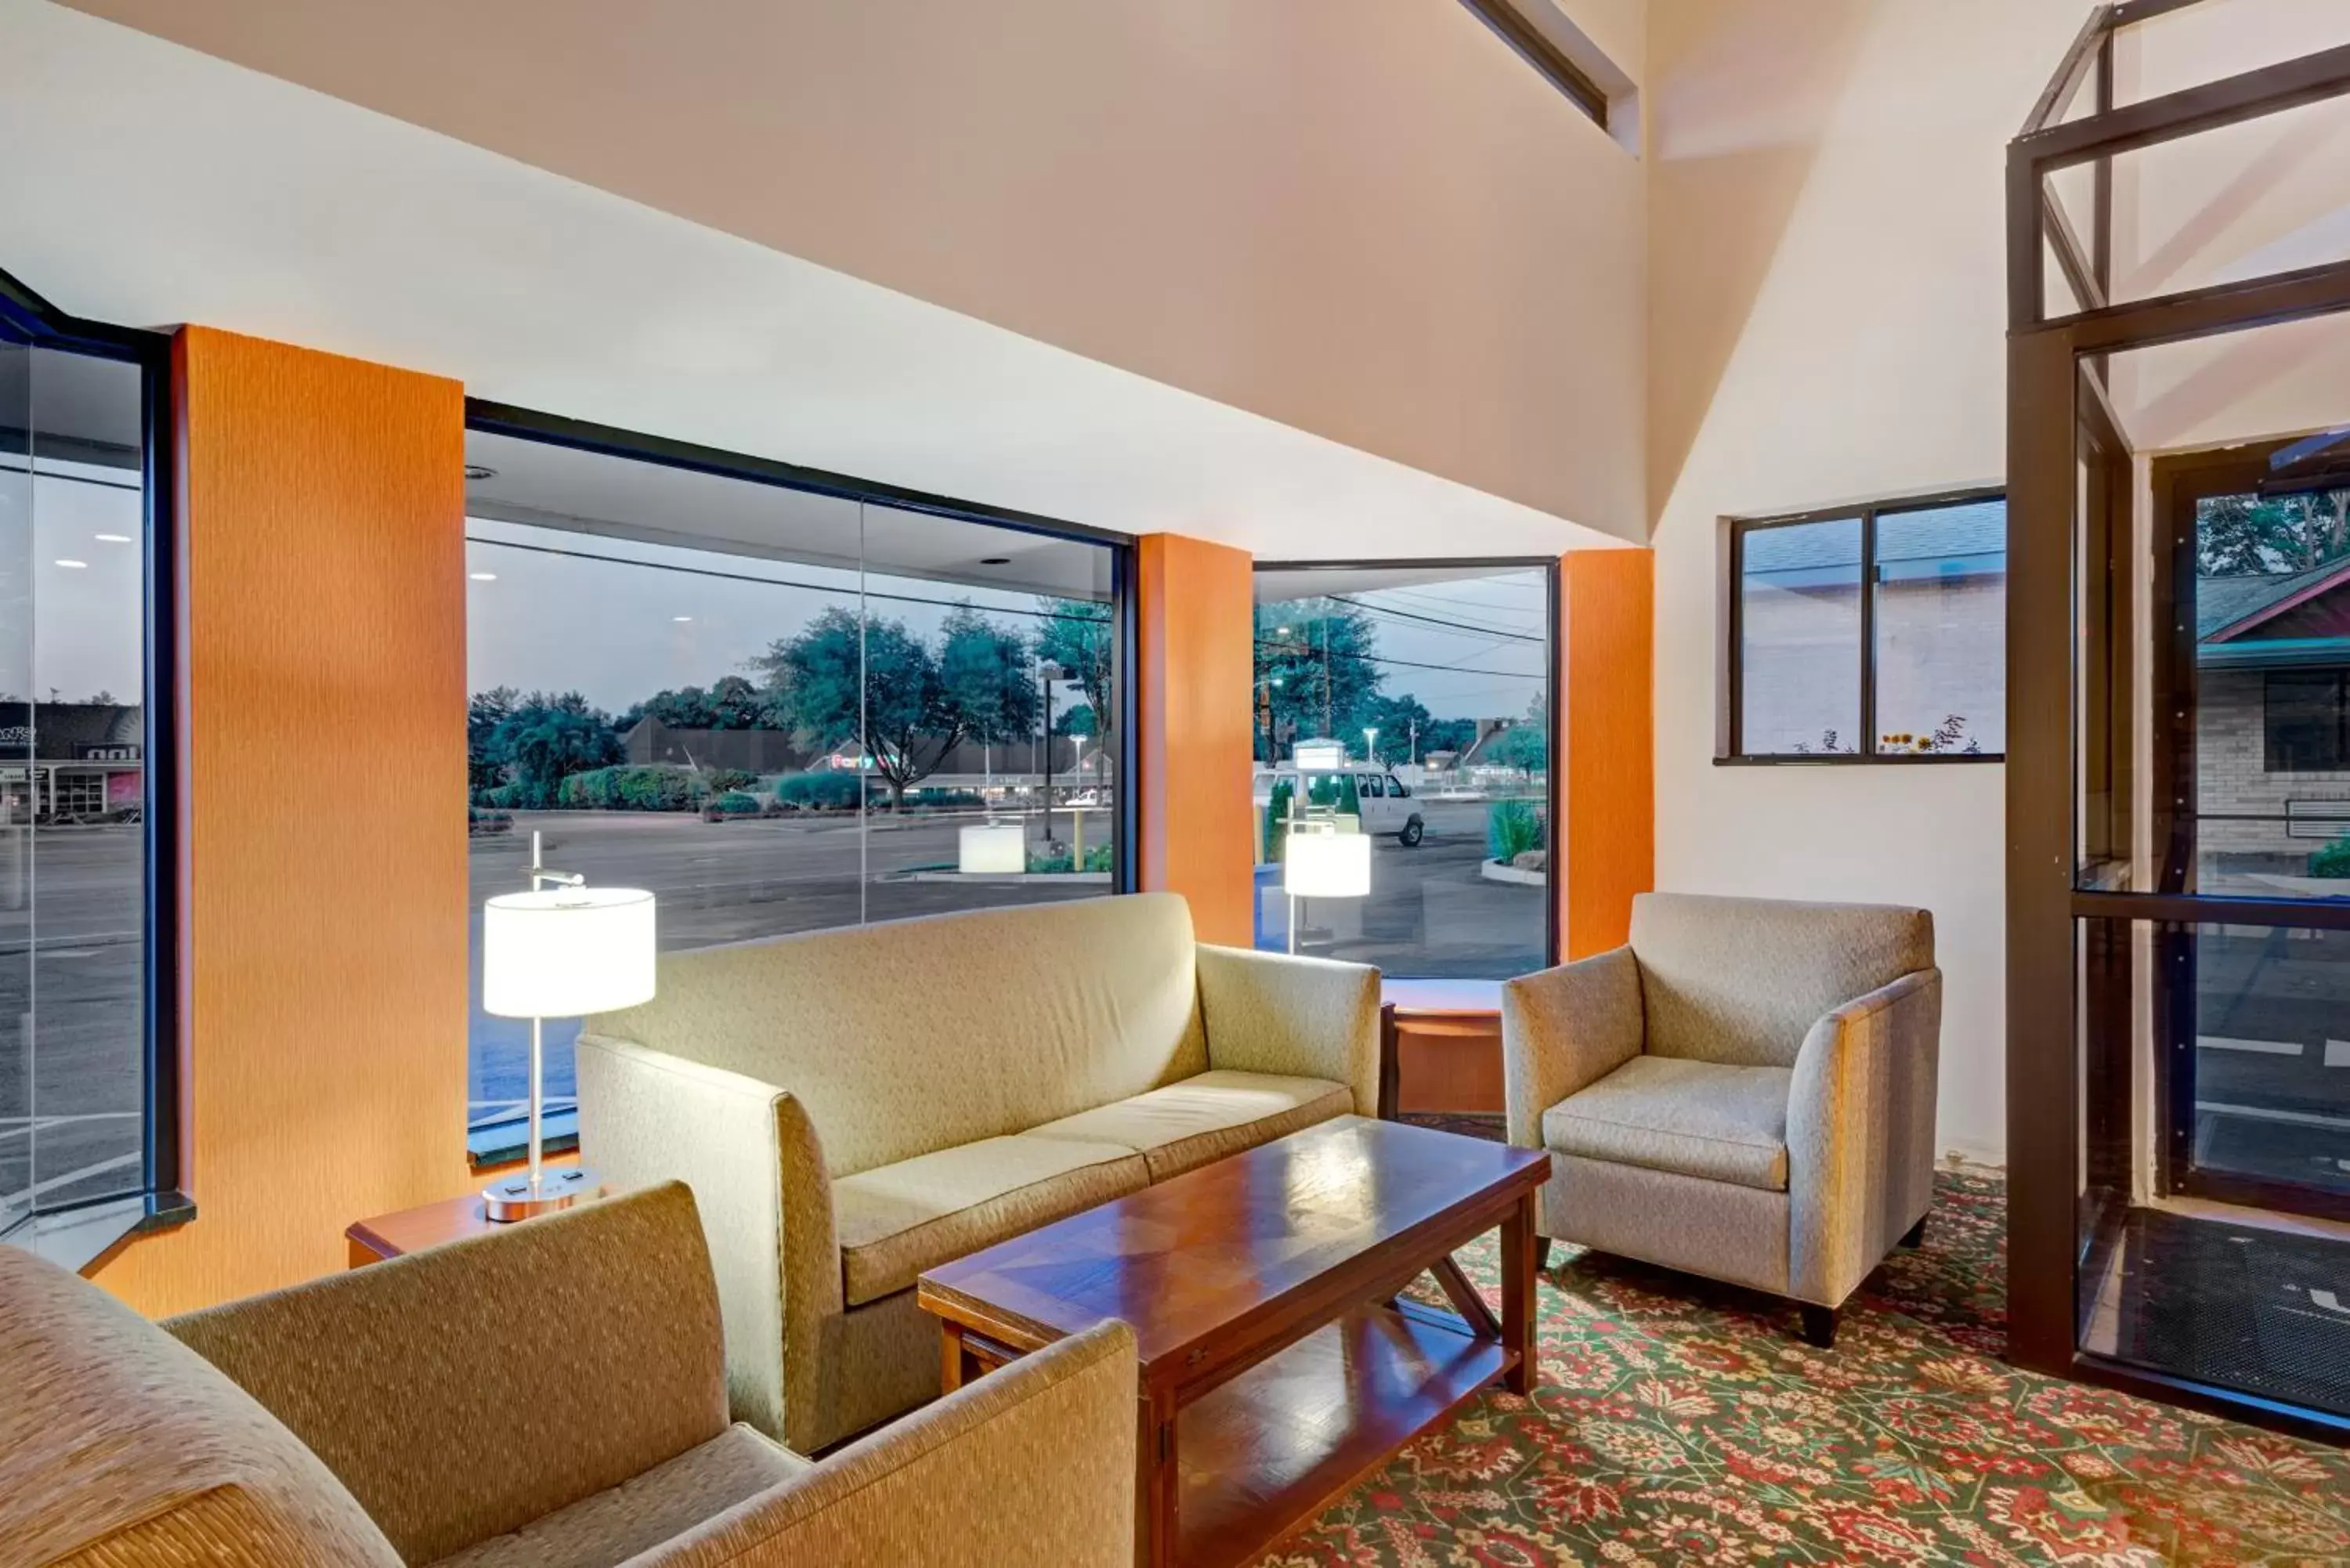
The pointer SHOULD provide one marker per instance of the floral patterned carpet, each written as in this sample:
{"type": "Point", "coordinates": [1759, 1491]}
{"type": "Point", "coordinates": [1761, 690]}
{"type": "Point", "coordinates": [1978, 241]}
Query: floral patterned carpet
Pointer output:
{"type": "Point", "coordinates": [1680, 1422]}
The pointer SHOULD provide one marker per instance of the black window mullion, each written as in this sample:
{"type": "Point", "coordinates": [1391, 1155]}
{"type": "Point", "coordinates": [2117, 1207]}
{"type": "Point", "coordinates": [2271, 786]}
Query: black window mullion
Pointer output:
{"type": "Point", "coordinates": [1737, 675]}
{"type": "Point", "coordinates": [1869, 633]}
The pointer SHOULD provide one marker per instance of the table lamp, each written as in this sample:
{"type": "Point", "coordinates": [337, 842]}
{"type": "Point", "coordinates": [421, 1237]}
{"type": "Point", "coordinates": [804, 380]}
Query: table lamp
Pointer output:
{"type": "Point", "coordinates": [559, 951]}
{"type": "Point", "coordinates": [1324, 865]}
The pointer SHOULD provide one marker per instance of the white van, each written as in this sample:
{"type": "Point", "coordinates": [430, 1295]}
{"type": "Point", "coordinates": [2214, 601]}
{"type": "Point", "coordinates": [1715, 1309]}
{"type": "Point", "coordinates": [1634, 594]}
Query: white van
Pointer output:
{"type": "Point", "coordinates": [1387, 803]}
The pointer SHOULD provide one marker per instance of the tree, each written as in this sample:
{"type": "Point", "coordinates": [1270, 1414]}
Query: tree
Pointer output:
{"type": "Point", "coordinates": [1077, 719]}
{"type": "Point", "coordinates": [2269, 535]}
{"type": "Point", "coordinates": [1524, 746]}
{"type": "Point", "coordinates": [988, 676]}
{"type": "Point", "coordinates": [1400, 720]}
{"type": "Point", "coordinates": [1315, 670]}
{"type": "Point", "coordinates": [1454, 735]}
{"type": "Point", "coordinates": [1079, 636]}
{"type": "Point", "coordinates": [543, 739]}
{"type": "Point", "coordinates": [729, 703]}
{"type": "Point", "coordinates": [484, 770]}
{"type": "Point", "coordinates": [841, 680]}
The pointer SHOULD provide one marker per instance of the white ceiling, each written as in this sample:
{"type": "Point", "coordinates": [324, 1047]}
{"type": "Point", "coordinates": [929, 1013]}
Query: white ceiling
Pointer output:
{"type": "Point", "coordinates": [147, 184]}
{"type": "Point", "coordinates": [566, 487]}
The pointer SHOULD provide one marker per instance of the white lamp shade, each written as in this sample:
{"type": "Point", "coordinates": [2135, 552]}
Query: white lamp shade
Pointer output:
{"type": "Point", "coordinates": [566, 952]}
{"type": "Point", "coordinates": [1328, 865]}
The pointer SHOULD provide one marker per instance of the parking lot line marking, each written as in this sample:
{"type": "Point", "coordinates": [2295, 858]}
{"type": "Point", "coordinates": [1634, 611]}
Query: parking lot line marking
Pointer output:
{"type": "Point", "coordinates": [2337, 1053]}
{"type": "Point", "coordinates": [2265, 1047]}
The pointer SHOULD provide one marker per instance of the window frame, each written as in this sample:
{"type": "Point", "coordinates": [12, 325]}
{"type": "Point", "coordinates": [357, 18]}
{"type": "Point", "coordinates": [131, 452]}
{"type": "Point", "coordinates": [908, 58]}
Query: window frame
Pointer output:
{"type": "Point", "coordinates": [84, 1235]}
{"type": "Point", "coordinates": [1730, 751]}
{"type": "Point", "coordinates": [496, 1144]}
{"type": "Point", "coordinates": [2340, 680]}
{"type": "Point", "coordinates": [1553, 632]}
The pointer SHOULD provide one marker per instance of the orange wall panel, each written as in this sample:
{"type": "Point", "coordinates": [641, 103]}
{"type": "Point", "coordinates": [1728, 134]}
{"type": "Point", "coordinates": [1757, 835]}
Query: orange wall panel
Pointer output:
{"type": "Point", "coordinates": [323, 974]}
{"type": "Point", "coordinates": [1607, 652]}
{"type": "Point", "coordinates": [1196, 618]}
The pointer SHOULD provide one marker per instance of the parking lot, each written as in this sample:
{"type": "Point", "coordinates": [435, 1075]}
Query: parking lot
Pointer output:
{"type": "Point", "coordinates": [1430, 912]}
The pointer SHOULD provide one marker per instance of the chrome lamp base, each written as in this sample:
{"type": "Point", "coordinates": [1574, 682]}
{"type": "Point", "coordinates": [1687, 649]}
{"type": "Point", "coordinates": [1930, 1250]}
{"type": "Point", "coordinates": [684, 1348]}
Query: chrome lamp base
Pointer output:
{"type": "Point", "coordinates": [523, 1195]}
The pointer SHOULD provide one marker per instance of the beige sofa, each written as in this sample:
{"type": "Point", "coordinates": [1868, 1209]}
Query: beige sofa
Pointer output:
{"type": "Point", "coordinates": [852, 1107]}
{"type": "Point", "coordinates": [551, 1395]}
{"type": "Point", "coordinates": [1745, 1091]}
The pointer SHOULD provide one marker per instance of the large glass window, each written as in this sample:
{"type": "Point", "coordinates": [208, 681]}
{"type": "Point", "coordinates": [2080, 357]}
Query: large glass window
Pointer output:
{"type": "Point", "coordinates": [1915, 668]}
{"type": "Point", "coordinates": [779, 709]}
{"type": "Point", "coordinates": [73, 1095]}
{"type": "Point", "coordinates": [1411, 704]}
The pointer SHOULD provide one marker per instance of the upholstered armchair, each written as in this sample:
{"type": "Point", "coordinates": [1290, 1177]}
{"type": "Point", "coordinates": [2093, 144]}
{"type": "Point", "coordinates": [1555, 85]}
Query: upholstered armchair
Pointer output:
{"type": "Point", "coordinates": [1745, 1091]}
{"type": "Point", "coordinates": [552, 1395]}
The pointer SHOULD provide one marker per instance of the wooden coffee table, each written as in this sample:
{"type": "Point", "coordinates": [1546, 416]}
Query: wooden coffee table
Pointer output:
{"type": "Point", "coordinates": [1278, 1364]}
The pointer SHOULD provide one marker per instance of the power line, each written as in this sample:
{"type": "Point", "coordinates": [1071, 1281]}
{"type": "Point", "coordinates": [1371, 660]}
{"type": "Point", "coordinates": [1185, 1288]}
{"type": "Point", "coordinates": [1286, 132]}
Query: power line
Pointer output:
{"type": "Point", "coordinates": [1434, 621]}
{"type": "Point", "coordinates": [1310, 655]}
{"type": "Point", "coordinates": [862, 593]}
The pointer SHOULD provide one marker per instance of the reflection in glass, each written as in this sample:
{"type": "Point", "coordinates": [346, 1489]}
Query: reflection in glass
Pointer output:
{"type": "Point", "coordinates": [72, 782]}
{"type": "Point", "coordinates": [2272, 721]}
{"type": "Point", "coordinates": [2196, 1264]}
{"type": "Point", "coordinates": [1799, 635]}
{"type": "Point", "coordinates": [1411, 705]}
{"type": "Point", "coordinates": [779, 710]}
{"type": "Point", "coordinates": [1941, 629]}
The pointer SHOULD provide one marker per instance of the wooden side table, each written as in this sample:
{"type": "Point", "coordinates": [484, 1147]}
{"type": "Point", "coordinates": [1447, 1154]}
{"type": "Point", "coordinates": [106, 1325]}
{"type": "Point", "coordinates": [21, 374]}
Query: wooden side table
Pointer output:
{"type": "Point", "coordinates": [1440, 1047]}
{"type": "Point", "coordinates": [428, 1225]}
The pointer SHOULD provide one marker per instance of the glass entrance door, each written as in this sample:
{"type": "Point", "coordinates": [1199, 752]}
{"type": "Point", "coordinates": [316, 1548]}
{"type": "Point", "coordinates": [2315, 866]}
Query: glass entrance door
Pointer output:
{"type": "Point", "coordinates": [2255, 1020]}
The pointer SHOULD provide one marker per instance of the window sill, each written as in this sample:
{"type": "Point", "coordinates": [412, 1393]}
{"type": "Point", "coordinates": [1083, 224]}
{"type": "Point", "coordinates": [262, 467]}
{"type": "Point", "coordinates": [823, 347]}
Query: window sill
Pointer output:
{"type": "Point", "coordinates": [502, 1144]}
{"type": "Point", "coordinates": [1850, 759]}
{"type": "Point", "coordinates": [84, 1237]}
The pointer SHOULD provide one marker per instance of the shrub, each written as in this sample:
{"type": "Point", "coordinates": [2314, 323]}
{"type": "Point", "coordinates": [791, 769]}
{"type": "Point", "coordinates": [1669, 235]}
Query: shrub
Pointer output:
{"type": "Point", "coordinates": [834, 790]}
{"type": "Point", "coordinates": [1048, 859]}
{"type": "Point", "coordinates": [721, 780]}
{"type": "Point", "coordinates": [2333, 860]}
{"type": "Point", "coordinates": [735, 803]}
{"type": "Point", "coordinates": [1098, 857]}
{"type": "Point", "coordinates": [626, 789]}
{"type": "Point", "coordinates": [1513, 827]}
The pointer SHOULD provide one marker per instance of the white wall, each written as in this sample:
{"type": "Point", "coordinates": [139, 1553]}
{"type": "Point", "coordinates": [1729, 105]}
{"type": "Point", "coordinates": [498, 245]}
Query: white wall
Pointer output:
{"type": "Point", "coordinates": [1828, 319]}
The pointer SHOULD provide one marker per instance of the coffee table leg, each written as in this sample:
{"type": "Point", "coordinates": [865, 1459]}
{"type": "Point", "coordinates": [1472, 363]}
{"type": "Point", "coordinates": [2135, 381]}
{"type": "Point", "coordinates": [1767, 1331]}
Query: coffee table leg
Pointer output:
{"type": "Point", "coordinates": [957, 1366]}
{"type": "Point", "coordinates": [1154, 1481]}
{"type": "Point", "coordinates": [1518, 1293]}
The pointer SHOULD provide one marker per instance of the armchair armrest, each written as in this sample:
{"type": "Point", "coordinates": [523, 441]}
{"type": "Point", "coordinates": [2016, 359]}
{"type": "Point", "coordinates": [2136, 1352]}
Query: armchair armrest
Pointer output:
{"type": "Point", "coordinates": [1564, 1029]}
{"type": "Point", "coordinates": [591, 1334]}
{"type": "Point", "coordinates": [750, 1154]}
{"type": "Point", "coordinates": [1036, 1457]}
{"type": "Point", "coordinates": [1860, 1133]}
{"type": "Point", "coordinates": [1272, 1012]}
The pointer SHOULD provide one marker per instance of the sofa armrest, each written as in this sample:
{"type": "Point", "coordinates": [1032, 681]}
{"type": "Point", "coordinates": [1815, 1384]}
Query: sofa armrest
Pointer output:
{"type": "Point", "coordinates": [1313, 1018]}
{"type": "Point", "coordinates": [1035, 1459]}
{"type": "Point", "coordinates": [750, 1154]}
{"type": "Point", "coordinates": [1564, 1029]}
{"type": "Point", "coordinates": [1860, 1133]}
{"type": "Point", "coordinates": [592, 1335]}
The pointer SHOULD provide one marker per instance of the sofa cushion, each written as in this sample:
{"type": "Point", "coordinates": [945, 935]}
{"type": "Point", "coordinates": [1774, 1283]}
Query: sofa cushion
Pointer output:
{"type": "Point", "coordinates": [1206, 1118]}
{"type": "Point", "coordinates": [644, 1511]}
{"type": "Point", "coordinates": [897, 1221]}
{"type": "Point", "coordinates": [1693, 1118]}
